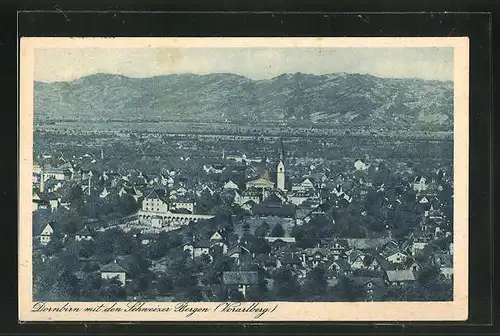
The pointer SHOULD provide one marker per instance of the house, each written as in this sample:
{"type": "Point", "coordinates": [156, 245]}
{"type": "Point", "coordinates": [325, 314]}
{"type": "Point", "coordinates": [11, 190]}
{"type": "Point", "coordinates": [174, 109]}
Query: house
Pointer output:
{"type": "Point", "coordinates": [237, 252]}
{"type": "Point", "coordinates": [399, 277]}
{"type": "Point", "coordinates": [360, 165]}
{"type": "Point", "coordinates": [207, 189]}
{"type": "Point", "coordinates": [396, 257]}
{"type": "Point", "coordinates": [214, 168]}
{"type": "Point", "coordinates": [419, 184]}
{"type": "Point", "coordinates": [337, 248]}
{"type": "Point", "coordinates": [423, 200]}
{"type": "Point", "coordinates": [290, 259]}
{"type": "Point", "coordinates": [373, 288]}
{"type": "Point", "coordinates": [217, 241]}
{"type": "Point", "coordinates": [392, 253]}
{"type": "Point", "coordinates": [38, 202]}
{"type": "Point", "coordinates": [216, 237]}
{"type": "Point", "coordinates": [304, 185]}
{"type": "Point", "coordinates": [315, 256]}
{"type": "Point", "coordinates": [113, 270]}
{"type": "Point", "coordinates": [156, 201]}
{"type": "Point", "coordinates": [201, 247]}
{"type": "Point", "coordinates": [56, 173]}
{"type": "Point", "coordinates": [356, 259]}
{"type": "Point", "coordinates": [241, 280]}
{"type": "Point", "coordinates": [277, 243]}
{"type": "Point", "coordinates": [183, 203]}
{"type": "Point", "coordinates": [45, 236]}
{"type": "Point", "coordinates": [250, 195]}
{"type": "Point", "coordinates": [417, 246]}
{"type": "Point", "coordinates": [414, 266]}
{"type": "Point", "coordinates": [340, 266]}
{"type": "Point", "coordinates": [445, 264]}
{"type": "Point", "coordinates": [230, 185]}
{"type": "Point", "coordinates": [84, 234]}
{"type": "Point", "coordinates": [374, 263]}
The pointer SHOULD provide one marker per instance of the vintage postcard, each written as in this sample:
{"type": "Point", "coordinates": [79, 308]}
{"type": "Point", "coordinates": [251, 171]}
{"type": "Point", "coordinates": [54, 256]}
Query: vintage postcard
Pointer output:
{"type": "Point", "coordinates": [243, 179]}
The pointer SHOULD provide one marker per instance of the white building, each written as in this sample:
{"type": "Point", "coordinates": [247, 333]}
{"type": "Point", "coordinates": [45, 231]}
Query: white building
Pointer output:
{"type": "Point", "coordinates": [360, 165]}
{"type": "Point", "coordinates": [230, 185]}
{"type": "Point", "coordinates": [156, 201]}
{"type": "Point", "coordinates": [46, 234]}
{"type": "Point", "coordinates": [114, 271]}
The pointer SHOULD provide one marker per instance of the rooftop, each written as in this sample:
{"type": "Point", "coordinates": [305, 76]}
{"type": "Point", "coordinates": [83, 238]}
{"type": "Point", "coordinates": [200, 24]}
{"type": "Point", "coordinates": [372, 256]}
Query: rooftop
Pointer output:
{"type": "Point", "coordinates": [400, 275]}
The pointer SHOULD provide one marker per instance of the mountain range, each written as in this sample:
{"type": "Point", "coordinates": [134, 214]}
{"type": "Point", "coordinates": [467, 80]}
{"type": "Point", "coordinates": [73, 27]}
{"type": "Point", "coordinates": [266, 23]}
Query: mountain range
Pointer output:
{"type": "Point", "coordinates": [298, 98]}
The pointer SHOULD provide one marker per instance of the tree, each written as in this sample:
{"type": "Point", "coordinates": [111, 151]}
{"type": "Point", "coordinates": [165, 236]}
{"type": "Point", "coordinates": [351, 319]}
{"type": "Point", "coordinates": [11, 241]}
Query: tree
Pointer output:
{"type": "Point", "coordinates": [262, 230]}
{"type": "Point", "coordinates": [316, 284]}
{"type": "Point", "coordinates": [304, 237]}
{"type": "Point", "coordinates": [86, 248]}
{"type": "Point", "coordinates": [127, 204]}
{"type": "Point", "coordinates": [348, 290]}
{"type": "Point", "coordinates": [278, 231]}
{"type": "Point", "coordinates": [286, 285]}
{"type": "Point", "coordinates": [76, 196]}
{"type": "Point", "coordinates": [112, 290]}
{"type": "Point", "coordinates": [260, 245]}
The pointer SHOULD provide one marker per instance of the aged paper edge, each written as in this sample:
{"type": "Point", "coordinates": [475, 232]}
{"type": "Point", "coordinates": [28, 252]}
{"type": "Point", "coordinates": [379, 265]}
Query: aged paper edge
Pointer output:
{"type": "Point", "coordinates": [456, 310]}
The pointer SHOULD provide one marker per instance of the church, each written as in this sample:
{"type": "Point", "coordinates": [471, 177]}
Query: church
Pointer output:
{"type": "Point", "coordinates": [265, 184]}
{"type": "Point", "coordinates": [272, 194]}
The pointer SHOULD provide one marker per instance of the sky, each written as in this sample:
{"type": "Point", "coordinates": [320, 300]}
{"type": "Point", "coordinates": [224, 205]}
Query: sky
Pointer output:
{"type": "Point", "coordinates": [68, 64]}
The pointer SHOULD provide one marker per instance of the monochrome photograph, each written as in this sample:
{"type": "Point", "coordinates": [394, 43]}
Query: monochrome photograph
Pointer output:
{"type": "Point", "coordinates": [209, 172]}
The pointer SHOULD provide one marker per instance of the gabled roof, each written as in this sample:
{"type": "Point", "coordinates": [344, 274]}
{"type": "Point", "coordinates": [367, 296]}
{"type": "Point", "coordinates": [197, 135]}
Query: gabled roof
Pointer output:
{"type": "Point", "coordinates": [240, 278]}
{"type": "Point", "coordinates": [289, 240]}
{"type": "Point", "coordinates": [202, 243]}
{"type": "Point", "coordinates": [400, 275]}
{"type": "Point", "coordinates": [285, 210]}
{"type": "Point", "coordinates": [238, 248]}
{"type": "Point", "coordinates": [157, 194]}
{"type": "Point", "coordinates": [291, 259]}
{"type": "Point", "coordinates": [354, 255]}
{"type": "Point", "coordinates": [250, 203]}
{"type": "Point", "coordinates": [84, 232]}
{"type": "Point", "coordinates": [316, 250]}
{"type": "Point", "coordinates": [113, 267]}
{"type": "Point", "coordinates": [38, 228]}
{"type": "Point", "coordinates": [215, 235]}
{"type": "Point", "coordinates": [272, 199]}
{"type": "Point", "coordinates": [342, 263]}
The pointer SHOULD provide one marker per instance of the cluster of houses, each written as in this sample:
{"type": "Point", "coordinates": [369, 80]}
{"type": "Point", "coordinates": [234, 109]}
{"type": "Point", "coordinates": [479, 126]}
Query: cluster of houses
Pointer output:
{"type": "Point", "coordinates": [374, 265]}
{"type": "Point", "coordinates": [168, 202]}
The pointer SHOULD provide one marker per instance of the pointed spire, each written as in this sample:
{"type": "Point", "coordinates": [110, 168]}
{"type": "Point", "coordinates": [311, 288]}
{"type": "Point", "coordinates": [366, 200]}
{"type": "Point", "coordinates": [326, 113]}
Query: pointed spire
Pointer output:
{"type": "Point", "coordinates": [282, 154]}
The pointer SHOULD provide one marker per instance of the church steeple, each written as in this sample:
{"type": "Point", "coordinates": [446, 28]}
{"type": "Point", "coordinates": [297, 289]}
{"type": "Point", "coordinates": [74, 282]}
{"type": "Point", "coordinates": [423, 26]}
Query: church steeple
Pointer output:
{"type": "Point", "coordinates": [282, 151]}
{"type": "Point", "coordinates": [280, 171]}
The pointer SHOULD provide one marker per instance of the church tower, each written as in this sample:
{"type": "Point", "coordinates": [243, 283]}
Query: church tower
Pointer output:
{"type": "Point", "coordinates": [280, 171]}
